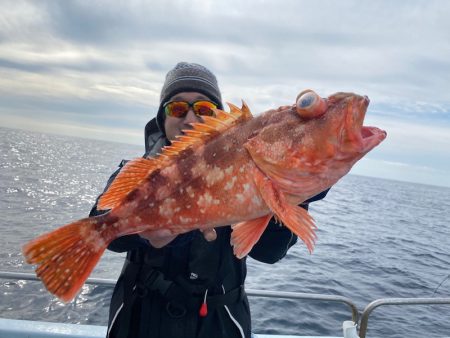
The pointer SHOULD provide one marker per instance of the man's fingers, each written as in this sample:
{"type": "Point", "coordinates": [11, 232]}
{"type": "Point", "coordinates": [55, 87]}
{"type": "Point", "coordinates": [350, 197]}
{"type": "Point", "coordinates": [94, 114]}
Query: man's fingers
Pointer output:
{"type": "Point", "coordinates": [158, 238]}
{"type": "Point", "coordinates": [209, 234]}
{"type": "Point", "coordinates": [161, 237]}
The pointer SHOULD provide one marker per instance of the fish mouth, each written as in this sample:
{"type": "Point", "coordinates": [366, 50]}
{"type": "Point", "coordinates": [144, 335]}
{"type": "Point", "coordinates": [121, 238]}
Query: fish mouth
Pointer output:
{"type": "Point", "coordinates": [371, 137]}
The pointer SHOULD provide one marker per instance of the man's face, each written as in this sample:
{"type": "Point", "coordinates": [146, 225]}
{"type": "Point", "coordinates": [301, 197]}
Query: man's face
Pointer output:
{"type": "Point", "coordinates": [174, 125]}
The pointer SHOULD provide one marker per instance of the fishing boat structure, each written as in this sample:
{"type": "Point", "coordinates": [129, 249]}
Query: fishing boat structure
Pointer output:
{"type": "Point", "coordinates": [355, 327]}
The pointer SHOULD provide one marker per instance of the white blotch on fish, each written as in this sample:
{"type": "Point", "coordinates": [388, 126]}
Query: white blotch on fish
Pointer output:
{"type": "Point", "coordinates": [166, 208]}
{"type": "Point", "coordinates": [229, 185]}
{"type": "Point", "coordinates": [213, 176]}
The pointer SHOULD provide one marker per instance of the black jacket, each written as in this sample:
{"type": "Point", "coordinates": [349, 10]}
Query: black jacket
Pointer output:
{"type": "Point", "coordinates": [160, 291]}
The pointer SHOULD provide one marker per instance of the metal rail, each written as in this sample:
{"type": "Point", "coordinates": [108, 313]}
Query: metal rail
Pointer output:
{"type": "Point", "coordinates": [33, 277]}
{"type": "Point", "coordinates": [306, 296]}
{"type": "Point", "coordinates": [395, 301]}
{"type": "Point", "coordinates": [284, 295]}
{"type": "Point", "coordinates": [250, 292]}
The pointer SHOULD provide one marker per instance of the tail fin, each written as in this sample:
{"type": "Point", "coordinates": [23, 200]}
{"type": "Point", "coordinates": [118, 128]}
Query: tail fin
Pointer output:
{"type": "Point", "coordinates": [66, 256]}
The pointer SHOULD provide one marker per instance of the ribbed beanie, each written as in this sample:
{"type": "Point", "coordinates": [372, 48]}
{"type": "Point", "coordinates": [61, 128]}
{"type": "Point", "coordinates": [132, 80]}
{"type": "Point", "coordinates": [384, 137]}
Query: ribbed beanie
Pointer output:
{"type": "Point", "coordinates": [188, 77]}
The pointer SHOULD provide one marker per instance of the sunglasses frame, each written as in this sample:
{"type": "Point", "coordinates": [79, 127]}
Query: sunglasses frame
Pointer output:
{"type": "Point", "coordinates": [190, 105]}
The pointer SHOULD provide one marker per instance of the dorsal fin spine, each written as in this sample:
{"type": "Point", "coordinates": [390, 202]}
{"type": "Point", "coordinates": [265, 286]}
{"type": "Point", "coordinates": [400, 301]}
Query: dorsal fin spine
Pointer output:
{"type": "Point", "coordinates": [215, 121]}
{"type": "Point", "coordinates": [136, 171]}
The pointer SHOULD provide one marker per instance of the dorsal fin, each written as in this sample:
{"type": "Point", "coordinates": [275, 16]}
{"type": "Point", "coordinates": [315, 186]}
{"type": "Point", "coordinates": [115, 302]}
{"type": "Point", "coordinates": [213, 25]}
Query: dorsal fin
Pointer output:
{"type": "Point", "coordinates": [209, 128]}
{"type": "Point", "coordinates": [135, 171]}
{"type": "Point", "coordinates": [129, 178]}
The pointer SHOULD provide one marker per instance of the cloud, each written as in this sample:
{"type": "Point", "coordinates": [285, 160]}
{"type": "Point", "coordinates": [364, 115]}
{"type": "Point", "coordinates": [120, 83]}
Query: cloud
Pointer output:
{"type": "Point", "coordinates": [101, 64]}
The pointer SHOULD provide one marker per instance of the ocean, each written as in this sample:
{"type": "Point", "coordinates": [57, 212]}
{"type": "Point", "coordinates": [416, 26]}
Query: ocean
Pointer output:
{"type": "Point", "coordinates": [377, 238]}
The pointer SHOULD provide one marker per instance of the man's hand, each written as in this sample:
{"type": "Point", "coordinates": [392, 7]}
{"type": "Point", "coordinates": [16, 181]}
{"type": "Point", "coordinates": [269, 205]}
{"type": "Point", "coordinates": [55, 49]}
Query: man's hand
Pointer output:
{"type": "Point", "coordinates": [158, 238]}
{"type": "Point", "coordinates": [162, 237]}
{"type": "Point", "coordinates": [209, 234]}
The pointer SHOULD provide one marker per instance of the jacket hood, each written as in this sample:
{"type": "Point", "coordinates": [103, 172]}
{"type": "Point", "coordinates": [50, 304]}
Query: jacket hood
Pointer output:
{"type": "Point", "coordinates": [154, 138]}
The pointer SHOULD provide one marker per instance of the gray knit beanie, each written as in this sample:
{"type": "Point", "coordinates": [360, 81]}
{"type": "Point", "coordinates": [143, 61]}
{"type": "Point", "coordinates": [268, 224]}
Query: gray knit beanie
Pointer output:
{"type": "Point", "coordinates": [188, 77]}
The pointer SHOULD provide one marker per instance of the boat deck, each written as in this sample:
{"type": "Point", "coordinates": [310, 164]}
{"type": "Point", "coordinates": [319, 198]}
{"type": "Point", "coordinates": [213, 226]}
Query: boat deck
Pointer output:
{"type": "Point", "coordinates": [13, 328]}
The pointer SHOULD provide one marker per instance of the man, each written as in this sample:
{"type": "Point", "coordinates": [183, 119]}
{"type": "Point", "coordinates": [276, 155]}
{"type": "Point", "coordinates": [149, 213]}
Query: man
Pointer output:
{"type": "Point", "coordinates": [190, 285]}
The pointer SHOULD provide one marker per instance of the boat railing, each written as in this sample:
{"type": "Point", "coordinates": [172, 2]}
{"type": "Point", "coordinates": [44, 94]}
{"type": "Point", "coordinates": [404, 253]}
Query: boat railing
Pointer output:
{"type": "Point", "coordinates": [356, 318]}
{"type": "Point", "coordinates": [395, 301]}
{"type": "Point", "coordinates": [250, 292]}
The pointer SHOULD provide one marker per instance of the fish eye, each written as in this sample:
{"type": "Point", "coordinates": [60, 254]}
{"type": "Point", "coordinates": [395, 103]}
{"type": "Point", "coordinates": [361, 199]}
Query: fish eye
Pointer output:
{"type": "Point", "coordinates": [306, 100]}
{"type": "Point", "coordinates": [309, 104]}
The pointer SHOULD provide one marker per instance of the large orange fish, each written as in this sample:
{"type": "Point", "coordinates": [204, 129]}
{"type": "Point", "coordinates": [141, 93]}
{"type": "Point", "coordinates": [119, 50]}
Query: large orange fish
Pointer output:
{"type": "Point", "coordinates": [231, 169]}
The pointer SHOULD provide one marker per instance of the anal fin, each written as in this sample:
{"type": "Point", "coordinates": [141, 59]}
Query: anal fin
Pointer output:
{"type": "Point", "coordinates": [294, 217]}
{"type": "Point", "coordinates": [246, 234]}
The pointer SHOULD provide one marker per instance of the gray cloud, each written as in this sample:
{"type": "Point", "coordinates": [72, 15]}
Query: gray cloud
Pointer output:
{"type": "Point", "coordinates": [100, 64]}
{"type": "Point", "coordinates": [387, 47]}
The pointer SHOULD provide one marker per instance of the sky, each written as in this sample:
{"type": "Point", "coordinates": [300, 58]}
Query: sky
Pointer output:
{"type": "Point", "coordinates": [95, 69]}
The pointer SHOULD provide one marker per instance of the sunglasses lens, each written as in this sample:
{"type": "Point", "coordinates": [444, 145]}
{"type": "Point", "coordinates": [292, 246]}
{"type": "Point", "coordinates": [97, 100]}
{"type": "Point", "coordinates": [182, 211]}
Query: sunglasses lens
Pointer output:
{"type": "Point", "coordinates": [204, 108]}
{"type": "Point", "coordinates": [177, 109]}
{"type": "Point", "coordinates": [180, 108]}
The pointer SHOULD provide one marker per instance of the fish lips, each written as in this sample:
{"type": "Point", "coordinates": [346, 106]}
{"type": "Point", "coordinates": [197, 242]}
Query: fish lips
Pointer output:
{"type": "Point", "coordinates": [371, 137]}
{"type": "Point", "coordinates": [361, 139]}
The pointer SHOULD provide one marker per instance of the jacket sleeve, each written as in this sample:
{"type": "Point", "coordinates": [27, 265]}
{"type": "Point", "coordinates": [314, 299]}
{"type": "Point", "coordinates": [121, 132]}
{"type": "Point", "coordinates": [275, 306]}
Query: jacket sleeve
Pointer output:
{"type": "Point", "coordinates": [124, 243]}
{"type": "Point", "coordinates": [277, 239]}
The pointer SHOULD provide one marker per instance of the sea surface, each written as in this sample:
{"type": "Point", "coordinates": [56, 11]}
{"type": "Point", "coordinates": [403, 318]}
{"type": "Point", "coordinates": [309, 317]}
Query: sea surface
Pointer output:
{"type": "Point", "coordinates": [376, 239]}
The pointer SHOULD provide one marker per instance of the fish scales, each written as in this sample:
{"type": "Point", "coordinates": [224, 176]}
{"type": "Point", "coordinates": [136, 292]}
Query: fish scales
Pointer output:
{"type": "Point", "coordinates": [216, 181]}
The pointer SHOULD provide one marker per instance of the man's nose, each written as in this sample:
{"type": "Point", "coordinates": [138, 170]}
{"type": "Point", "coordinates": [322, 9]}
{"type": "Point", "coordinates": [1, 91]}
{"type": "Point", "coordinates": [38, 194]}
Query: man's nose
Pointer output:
{"type": "Point", "coordinates": [191, 117]}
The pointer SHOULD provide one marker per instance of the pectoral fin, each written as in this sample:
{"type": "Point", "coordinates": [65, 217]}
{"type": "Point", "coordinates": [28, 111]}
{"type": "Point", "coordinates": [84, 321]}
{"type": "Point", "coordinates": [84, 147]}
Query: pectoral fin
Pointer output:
{"type": "Point", "coordinates": [294, 217]}
{"type": "Point", "coordinates": [246, 234]}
